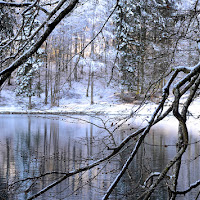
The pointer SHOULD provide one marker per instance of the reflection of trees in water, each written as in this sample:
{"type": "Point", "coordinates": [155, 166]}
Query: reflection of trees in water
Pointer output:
{"type": "Point", "coordinates": [154, 154]}
{"type": "Point", "coordinates": [3, 190]}
{"type": "Point", "coordinates": [38, 150]}
{"type": "Point", "coordinates": [52, 147]}
{"type": "Point", "coordinates": [4, 174]}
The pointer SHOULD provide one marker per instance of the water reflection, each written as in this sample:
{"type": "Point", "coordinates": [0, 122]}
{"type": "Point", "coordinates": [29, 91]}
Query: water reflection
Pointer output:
{"type": "Point", "coordinates": [34, 145]}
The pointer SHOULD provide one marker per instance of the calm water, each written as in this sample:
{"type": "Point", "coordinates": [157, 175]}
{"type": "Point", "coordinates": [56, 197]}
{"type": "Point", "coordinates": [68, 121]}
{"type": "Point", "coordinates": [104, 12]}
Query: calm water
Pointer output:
{"type": "Point", "coordinates": [33, 145]}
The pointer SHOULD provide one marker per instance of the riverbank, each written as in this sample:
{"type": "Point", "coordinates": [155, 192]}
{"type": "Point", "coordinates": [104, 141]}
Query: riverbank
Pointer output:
{"type": "Point", "coordinates": [83, 109]}
{"type": "Point", "coordinates": [74, 102]}
{"type": "Point", "coordinates": [78, 104]}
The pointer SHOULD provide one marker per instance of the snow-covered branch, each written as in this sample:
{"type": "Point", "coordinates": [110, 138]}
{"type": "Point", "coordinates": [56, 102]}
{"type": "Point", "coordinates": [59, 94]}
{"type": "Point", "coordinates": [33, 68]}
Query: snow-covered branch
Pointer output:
{"type": "Point", "coordinates": [181, 117]}
{"type": "Point", "coordinates": [162, 175]}
{"type": "Point", "coordinates": [23, 58]}
{"type": "Point", "coordinates": [149, 178]}
{"type": "Point", "coordinates": [24, 4]}
{"type": "Point", "coordinates": [192, 186]}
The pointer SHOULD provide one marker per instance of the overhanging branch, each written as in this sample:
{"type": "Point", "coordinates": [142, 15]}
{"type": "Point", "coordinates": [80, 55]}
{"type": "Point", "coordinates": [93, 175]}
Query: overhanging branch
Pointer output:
{"type": "Point", "coordinates": [23, 58]}
{"type": "Point", "coordinates": [21, 5]}
{"type": "Point", "coordinates": [192, 186]}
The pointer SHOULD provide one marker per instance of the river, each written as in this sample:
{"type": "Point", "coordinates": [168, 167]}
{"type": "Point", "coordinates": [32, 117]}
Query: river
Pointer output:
{"type": "Point", "coordinates": [33, 145]}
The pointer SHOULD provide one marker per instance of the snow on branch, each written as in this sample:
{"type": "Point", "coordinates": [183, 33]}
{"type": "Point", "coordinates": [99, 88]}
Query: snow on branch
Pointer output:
{"type": "Point", "coordinates": [184, 69]}
{"type": "Point", "coordinates": [20, 5]}
{"type": "Point", "coordinates": [192, 186]}
{"type": "Point", "coordinates": [181, 117]}
{"type": "Point", "coordinates": [150, 178]}
{"type": "Point", "coordinates": [23, 58]}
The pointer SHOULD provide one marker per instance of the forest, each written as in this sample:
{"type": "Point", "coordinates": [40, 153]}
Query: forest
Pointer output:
{"type": "Point", "coordinates": [57, 55]}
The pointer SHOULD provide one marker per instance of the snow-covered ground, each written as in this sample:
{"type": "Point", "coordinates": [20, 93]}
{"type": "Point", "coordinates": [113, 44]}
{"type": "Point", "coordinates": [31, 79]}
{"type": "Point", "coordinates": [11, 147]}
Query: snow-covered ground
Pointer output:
{"type": "Point", "coordinates": [74, 101]}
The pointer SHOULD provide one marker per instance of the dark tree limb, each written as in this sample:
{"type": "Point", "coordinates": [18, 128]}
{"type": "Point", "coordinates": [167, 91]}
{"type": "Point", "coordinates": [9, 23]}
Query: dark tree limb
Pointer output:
{"type": "Point", "coordinates": [23, 58]}
{"type": "Point", "coordinates": [192, 186]}
{"type": "Point", "coordinates": [181, 117]}
{"type": "Point", "coordinates": [21, 5]}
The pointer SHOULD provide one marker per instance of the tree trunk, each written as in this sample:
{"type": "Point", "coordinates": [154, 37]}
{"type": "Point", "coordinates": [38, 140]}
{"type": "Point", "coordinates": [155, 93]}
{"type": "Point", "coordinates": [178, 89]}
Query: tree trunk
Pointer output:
{"type": "Point", "coordinates": [88, 86]}
{"type": "Point", "coordinates": [46, 76]}
{"type": "Point", "coordinates": [92, 88]}
{"type": "Point", "coordinates": [29, 103]}
{"type": "Point", "coordinates": [75, 52]}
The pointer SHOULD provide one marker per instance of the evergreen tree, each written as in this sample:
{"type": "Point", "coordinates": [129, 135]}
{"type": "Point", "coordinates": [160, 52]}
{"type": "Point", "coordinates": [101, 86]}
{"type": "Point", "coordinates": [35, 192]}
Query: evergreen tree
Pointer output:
{"type": "Point", "coordinates": [127, 26]}
{"type": "Point", "coordinates": [27, 72]}
{"type": "Point", "coordinates": [7, 21]}
{"type": "Point", "coordinates": [142, 27]}
{"type": "Point", "coordinates": [25, 77]}
{"type": "Point", "coordinates": [7, 25]}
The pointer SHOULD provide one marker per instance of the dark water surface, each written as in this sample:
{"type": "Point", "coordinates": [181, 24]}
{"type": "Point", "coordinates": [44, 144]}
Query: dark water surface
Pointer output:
{"type": "Point", "coordinates": [33, 145]}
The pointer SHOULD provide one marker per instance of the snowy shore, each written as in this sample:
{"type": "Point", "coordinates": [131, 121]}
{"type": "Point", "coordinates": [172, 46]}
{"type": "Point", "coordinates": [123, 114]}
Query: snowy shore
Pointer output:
{"type": "Point", "coordinates": [74, 102]}
{"type": "Point", "coordinates": [80, 109]}
{"type": "Point", "coordinates": [78, 104]}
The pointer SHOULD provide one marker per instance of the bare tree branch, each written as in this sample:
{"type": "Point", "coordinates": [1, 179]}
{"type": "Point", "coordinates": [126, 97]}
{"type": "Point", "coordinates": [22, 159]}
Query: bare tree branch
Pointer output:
{"type": "Point", "coordinates": [24, 4]}
{"type": "Point", "coordinates": [192, 186]}
{"type": "Point", "coordinates": [4, 74]}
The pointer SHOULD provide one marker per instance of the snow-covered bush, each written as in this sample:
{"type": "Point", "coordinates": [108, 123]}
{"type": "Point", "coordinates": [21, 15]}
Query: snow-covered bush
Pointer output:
{"type": "Point", "coordinates": [25, 75]}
